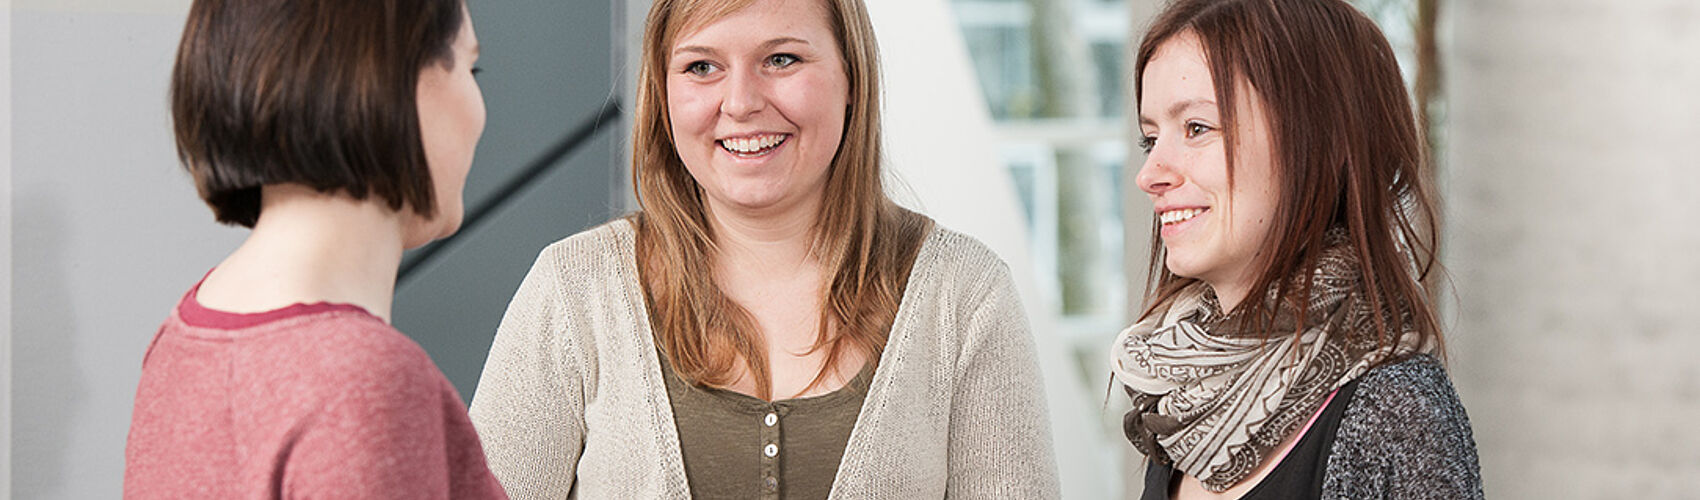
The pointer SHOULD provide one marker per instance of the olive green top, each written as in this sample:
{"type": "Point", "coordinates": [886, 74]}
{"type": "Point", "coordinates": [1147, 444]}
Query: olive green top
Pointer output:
{"type": "Point", "coordinates": [740, 446]}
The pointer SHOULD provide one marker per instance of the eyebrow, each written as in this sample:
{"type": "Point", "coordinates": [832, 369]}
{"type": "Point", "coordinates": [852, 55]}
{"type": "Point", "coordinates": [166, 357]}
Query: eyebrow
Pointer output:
{"type": "Point", "coordinates": [698, 49]}
{"type": "Point", "coordinates": [1177, 108]}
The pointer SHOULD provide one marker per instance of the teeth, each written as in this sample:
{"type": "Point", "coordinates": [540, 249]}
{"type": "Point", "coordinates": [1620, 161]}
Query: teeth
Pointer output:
{"type": "Point", "coordinates": [1174, 216]}
{"type": "Point", "coordinates": [752, 145]}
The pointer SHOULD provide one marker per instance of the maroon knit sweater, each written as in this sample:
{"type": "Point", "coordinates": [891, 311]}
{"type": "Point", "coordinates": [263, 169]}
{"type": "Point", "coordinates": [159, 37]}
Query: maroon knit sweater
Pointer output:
{"type": "Point", "coordinates": [309, 401]}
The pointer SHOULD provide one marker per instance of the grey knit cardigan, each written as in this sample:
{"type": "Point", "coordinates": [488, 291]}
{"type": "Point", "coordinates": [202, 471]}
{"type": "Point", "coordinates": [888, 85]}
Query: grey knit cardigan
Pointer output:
{"type": "Point", "coordinates": [1404, 435]}
{"type": "Point", "coordinates": [572, 401]}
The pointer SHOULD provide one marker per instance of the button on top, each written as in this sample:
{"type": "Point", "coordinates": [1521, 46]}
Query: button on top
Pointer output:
{"type": "Point", "coordinates": [771, 450]}
{"type": "Point", "coordinates": [771, 419]}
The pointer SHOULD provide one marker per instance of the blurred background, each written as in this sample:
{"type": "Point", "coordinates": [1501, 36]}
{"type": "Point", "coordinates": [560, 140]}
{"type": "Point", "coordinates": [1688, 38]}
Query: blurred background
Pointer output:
{"type": "Point", "coordinates": [1567, 134]}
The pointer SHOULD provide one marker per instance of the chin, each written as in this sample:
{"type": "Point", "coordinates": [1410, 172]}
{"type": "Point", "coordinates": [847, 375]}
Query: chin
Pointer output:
{"type": "Point", "coordinates": [1180, 267]}
{"type": "Point", "coordinates": [432, 230]}
{"type": "Point", "coordinates": [447, 228]}
{"type": "Point", "coordinates": [755, 199]}
{"type": "Point", "coordinates": [413, 242]}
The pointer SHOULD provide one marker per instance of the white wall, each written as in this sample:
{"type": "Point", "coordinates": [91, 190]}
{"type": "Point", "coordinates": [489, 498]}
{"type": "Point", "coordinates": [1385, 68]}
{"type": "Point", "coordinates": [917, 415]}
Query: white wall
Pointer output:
{"type": "Point", "coordinates": [108, 231]}
{"type": "Point", "coordinates": [1574, 227]}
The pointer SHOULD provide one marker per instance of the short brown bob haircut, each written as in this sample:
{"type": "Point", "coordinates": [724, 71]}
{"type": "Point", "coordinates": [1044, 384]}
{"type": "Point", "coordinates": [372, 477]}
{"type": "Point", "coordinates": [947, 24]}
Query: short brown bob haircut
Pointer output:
{"type": "Point", "coordinates": [320, 93]}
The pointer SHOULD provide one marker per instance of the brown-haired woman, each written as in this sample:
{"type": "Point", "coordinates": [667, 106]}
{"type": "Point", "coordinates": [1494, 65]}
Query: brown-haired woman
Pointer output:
{"type": "Point", "coordinates": [1286, 348]}
{"type": "Point", "coordinates": [769, 324]}
{"type": "Point", "coordinates": [341, 133]}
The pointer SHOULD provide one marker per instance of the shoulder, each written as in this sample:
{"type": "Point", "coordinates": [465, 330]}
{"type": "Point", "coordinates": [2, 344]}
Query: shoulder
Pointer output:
{"type": "Point", "coordinates": [1414, 391]}
{"type": "Point", "coordinates": [952, 248]}
{"type": "Point", "coordinates": [956, 272]}
{"type": "Point", "coordinates": [963, 296]}
{"type": "Point", "coordinates": [1405, 430]}
{"type": "Point", "coordinates": [594, 248]}
{"type": "Point", "coordinates": [601, 260]}
{"type": "Point", "coordinates": [582, 276]}
{"type": "Point", "coordinates": [357, 357]}
{"type": "Point", "coordinates": [952, 259]}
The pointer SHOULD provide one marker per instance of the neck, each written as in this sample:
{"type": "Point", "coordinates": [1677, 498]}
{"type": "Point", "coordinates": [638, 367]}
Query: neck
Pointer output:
{"type": "Point", "coordinates": [1230, 295]}
{"type": "Point", "coordinates": [312, 247]}
{"type": "Point", "coordinates": [769, 241]}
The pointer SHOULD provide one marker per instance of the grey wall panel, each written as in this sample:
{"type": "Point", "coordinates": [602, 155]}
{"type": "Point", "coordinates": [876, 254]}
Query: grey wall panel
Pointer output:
{"type": "Point", "coordinates": [452, 307]}
{"type": "Point", "coordinates": [547, 68]}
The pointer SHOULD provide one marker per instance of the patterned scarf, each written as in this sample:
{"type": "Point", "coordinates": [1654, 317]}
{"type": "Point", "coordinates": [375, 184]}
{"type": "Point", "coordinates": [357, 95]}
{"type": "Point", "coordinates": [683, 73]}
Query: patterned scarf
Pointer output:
{"type": "Point", "coordinates": [1215, 398]}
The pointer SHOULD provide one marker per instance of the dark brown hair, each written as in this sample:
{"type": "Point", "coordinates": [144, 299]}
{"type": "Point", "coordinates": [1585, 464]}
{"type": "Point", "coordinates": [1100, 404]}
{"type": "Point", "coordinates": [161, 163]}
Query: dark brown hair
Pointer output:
{"type": "Point", "coordinates": [313, 92]}
{"type": "Point", "coordinates": [1346, 145]}
{"type": "Point", "coordinates": [865, 240]}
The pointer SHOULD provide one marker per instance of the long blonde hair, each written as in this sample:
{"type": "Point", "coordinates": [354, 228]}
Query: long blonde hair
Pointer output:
{"type": "Point", "coordinates": [865, 240]}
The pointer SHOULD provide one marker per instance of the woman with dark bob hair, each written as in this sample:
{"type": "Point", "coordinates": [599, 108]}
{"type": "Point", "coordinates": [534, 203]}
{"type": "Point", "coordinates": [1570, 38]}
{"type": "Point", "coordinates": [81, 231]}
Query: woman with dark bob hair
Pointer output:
{"type": "Point", "coordinates": [769, 324]}
{"type": "Point", "coordinates": [1288, 346]}
{"type": "Point", "coordinates": [341, 133]}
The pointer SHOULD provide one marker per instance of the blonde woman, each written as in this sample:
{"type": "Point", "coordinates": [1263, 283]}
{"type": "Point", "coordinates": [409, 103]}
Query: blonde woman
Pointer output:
{"type": "Point", "coordinates": [769, 324]}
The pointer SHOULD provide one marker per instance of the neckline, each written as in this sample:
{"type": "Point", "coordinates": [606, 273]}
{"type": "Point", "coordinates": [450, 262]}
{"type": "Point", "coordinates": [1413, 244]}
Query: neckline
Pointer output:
{"type": "Point", "coordinates": [623, 245]}
{"type": "Point", "coordinates": [1327, 411]}
{"type": "Point", "coordinates": [624, 232]}
{"type": "Point", "coordinates": [192, 313]}
{"type": "Point", "coordinates": [1304, 437]}
{"type": "Point", "coordinates": [855, 389]}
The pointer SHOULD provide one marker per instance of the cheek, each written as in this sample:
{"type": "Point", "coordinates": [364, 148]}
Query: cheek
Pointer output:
{"type": "Point", "coordinates": [1256, 200]}
{"type": "Point", "coordinates": [474, 114]}
{"type": "Point", "coordinates": [480, 113]}
{"type": "Point", "coordinates": [817, 103]}
{"type": "Point", "coordinates": [690, 110]}
{"type": "Point", "coordinates": [1210, 172]}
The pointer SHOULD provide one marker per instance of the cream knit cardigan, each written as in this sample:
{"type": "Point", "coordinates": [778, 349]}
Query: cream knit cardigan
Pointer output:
{"type": "Point", "coordinates": [572, 403]}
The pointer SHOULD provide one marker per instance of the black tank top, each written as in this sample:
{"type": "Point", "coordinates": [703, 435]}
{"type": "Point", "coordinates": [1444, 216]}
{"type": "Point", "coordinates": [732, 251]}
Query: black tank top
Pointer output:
{"type": "Point", "coordinates": [1300, 473]}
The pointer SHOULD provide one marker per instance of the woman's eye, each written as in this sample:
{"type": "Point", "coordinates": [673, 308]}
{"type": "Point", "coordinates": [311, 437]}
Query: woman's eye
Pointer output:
{"type": "Point", "coordinates": [477, 71]}
{"type": "Point", "coordinates": [782, 60]}
{"type": "Point", "coordinates": [1195, 129]}
{"type": "Point", "coordinates": [1147, 143]}
{"type": "Point", "coordinates": [699, 68]}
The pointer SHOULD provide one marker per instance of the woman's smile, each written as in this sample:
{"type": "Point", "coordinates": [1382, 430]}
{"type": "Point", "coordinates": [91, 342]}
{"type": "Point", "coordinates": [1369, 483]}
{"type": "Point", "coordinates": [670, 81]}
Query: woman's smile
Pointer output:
{"type": "Point", "coordinates": [1177, 220]}
{"type": "Point", "coordinates": [753, 146]}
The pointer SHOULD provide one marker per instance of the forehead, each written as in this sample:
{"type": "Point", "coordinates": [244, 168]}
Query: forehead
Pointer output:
{"type": "Point", "coordinates": [750, 18]}
{"type": "Point", "coordinates": [1178, 70]}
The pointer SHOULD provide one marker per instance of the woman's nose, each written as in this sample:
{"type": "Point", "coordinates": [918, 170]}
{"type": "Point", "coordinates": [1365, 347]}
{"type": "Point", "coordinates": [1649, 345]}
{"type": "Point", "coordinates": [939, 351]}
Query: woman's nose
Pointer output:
{"type": "Point", "coordinates": [1156, 176]}
{"type": "Point", "coordinates": [745, 95]}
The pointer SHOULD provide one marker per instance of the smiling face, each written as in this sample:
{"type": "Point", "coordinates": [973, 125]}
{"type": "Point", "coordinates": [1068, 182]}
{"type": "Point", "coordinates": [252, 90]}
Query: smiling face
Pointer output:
{"type": "Point", "coordinates": [1211, 229]}
{"type": "Point", "coordinates": [451, 119]}
{"type": "Point", "coordinates": [757, 105]}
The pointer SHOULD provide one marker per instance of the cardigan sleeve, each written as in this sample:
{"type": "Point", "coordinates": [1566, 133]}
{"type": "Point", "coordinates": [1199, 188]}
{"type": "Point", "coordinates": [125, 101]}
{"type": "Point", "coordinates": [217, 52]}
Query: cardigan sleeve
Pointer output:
{"type": "Point", "coordinates": [529, 406]}
{"type": "Point", "coordinates": [1404, 435]}
{"type": "Point", "coordinates": [1000, 434]}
